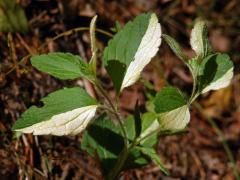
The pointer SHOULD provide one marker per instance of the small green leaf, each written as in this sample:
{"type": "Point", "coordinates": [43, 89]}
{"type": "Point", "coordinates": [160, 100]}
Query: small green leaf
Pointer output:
{"type": "Point", "coordinates": [216, 72]}
{"type": "Point", "coordinates": [12, 17]}
{"type": "Point", "coordinates": [155, 157]}
{"type": "Point", "coordinates": [137, 120]}
{"type": "Point", "coordinates": [62, 65]}
{"type": "Point", "coordinates": [103, 138]}
{"type": "Point", "coordinates": [199, 40]}
{"type": "Point", "coordinates": [172, 109]}
{"type": "Point", "coordinates": [150, 125]}
{"type": "Point", "coordinates": [66, 111]}
{"type": "Point", "coordinates": [134, 45]}
{"type": "Point", "coordinates": [129, 124]}
{"type": "Point", "coordinates": [175, 47]}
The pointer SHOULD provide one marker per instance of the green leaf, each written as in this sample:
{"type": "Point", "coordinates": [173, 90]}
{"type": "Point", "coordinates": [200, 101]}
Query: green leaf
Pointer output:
{"type": "Point", "coordinates": [172, 109]}
{"type": "Point", "coordinates": [156, 159]}
{"type": "Point", "coordinates": [199, 40]}
{"type": "Point", "coordinates": [137, 120]}
{"type": "Point", "coordinates": [216, 72]}
{"type": "Point", "coordinates": [103, 138]}
{"type": "Point", "coordinates": [12, 17]}
{"type": "Point", "coordinates": [175, 47]}
{"type": "Point", "coordinates": [66, 111]}
{"type": "Point", "coordinates": [129, 124]}
{"type": "Point", "coordinates": [62, 65]}
{"type": "Point", "coordinates": [134, 45]}
{"type": "Point", "coordinates": [150, 125]}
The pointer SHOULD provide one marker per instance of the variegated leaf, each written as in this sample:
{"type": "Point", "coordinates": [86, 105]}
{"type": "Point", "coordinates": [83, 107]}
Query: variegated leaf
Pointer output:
{"type": "Point", "coordinates": [133, 47]}
{"type": "Point", "coordinates": [216, 72]}
{"type": "Point", "coordinates": [65, 112]}
{"type": "Point", "coordinates": [172, 109]}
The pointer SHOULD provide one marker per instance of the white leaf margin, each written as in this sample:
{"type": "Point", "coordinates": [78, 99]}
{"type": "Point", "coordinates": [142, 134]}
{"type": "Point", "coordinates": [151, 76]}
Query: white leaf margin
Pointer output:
{"type": "Point", "coordinates": [176, 119]}
{"type": "Point", "coordinates": [220, 83]}
{"type": "Point", "coordinates": [147, 49]}
{"type": "Point", "coordinates": [67, 123]}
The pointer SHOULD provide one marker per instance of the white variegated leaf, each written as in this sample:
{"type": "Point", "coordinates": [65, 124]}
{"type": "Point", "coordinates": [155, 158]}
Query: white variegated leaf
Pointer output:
{"type": "Point", "coordinates": [222, 82]}
{"type": "Point", "coordinates": [67, 123]}
{"type": "Point", "coordinates": [176, 119]}
{"type": "Point", "coordinates": [216, 72]}
{"type": "Point", "coordinates": [147, 49]}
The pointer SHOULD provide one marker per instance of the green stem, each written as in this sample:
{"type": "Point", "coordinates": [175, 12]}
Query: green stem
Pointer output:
{"type": "Point", "coordinates": [113, 174]}
{"type": "Point", "coordinates": [114, 111]}
{"type": "Point", "coordinates": [124, 154]}
{"type": "Point", "coordinates": [195, 92]}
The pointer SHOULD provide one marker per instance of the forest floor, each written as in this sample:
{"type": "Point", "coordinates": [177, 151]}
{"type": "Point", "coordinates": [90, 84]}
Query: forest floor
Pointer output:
{"type": "Point", "coordinates": [199, 154]}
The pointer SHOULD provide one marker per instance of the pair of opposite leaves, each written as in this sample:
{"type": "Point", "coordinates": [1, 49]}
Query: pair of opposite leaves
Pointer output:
{"type": "Point", "coordinates": [69, 111]}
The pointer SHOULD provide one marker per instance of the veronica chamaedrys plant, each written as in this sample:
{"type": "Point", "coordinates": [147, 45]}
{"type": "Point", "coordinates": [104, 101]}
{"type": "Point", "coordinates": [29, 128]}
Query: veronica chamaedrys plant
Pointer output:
{"type": "Point", "coordinates": [129, 143]}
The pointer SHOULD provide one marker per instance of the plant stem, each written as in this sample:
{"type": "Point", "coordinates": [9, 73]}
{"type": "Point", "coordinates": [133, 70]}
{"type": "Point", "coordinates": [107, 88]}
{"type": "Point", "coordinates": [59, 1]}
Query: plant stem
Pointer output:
{"type": "Point", "coordinates": [119, 164]}
{"type": "Point", "coordinates": [223, 140]}
{"type": "Point", "coordinates": [195, 93]}
{"type": "Point", "coordinates": [124, 154]}
{"type": "Point", "coordinates": [114, 111]}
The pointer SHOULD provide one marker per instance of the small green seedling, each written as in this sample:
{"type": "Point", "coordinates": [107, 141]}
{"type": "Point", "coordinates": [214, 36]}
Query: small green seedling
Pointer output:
{"type": "Point", "coordinates": [129, 143]}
